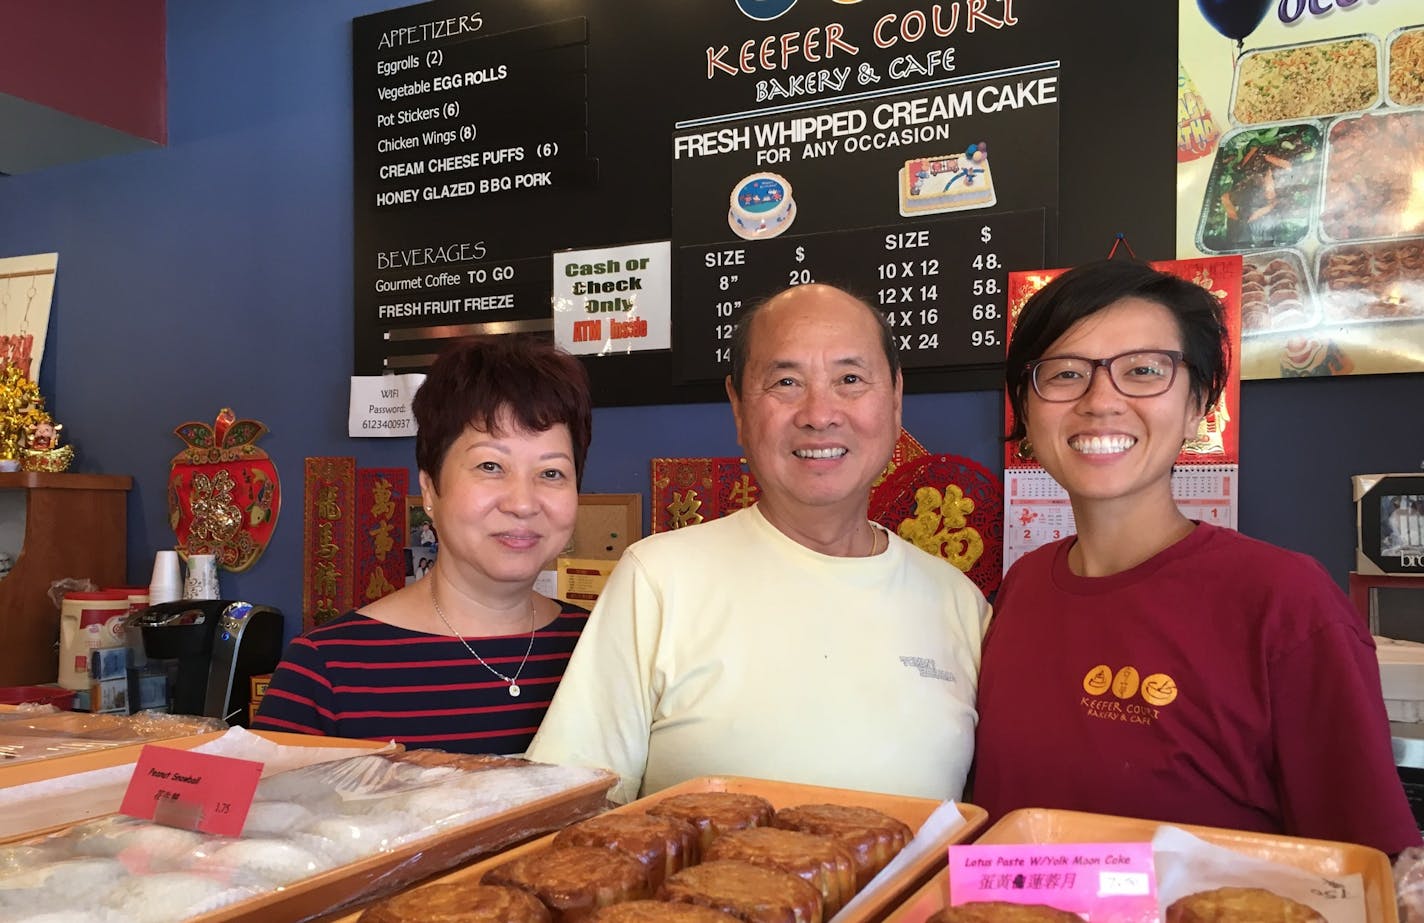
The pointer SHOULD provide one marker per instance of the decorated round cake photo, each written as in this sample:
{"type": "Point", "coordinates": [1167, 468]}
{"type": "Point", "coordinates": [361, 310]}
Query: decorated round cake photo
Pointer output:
{"type": "Point", "coordinates": [762, 206]}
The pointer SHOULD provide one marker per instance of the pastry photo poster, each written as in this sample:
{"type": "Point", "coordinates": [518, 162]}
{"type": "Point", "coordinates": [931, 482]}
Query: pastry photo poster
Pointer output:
{"type": "Point", "coordinates": [1299, 127]}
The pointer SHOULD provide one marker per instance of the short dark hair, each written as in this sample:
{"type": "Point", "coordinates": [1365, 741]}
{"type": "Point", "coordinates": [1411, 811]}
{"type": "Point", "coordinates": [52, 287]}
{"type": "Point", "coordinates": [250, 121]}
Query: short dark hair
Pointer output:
{"type": "Point", "coordinates": [476, 379]}
{"type": "Point", "coordinates": [1087, 289]}
{"type": "Point", "coordinates": [741, 345]}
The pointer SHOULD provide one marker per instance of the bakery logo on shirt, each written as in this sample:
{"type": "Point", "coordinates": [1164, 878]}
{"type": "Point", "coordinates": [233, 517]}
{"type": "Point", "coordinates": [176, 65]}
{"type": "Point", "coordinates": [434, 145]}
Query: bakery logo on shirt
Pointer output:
{"type": "Point", "coordinates": [927, 669]}
{"type": "Point", "coordinates": [1123, 695]}
{"type": "Point", "coordinates": [767, 10]}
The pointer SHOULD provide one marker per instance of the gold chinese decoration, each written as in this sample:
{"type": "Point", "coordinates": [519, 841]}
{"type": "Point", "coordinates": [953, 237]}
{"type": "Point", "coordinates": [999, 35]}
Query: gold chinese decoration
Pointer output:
{"type": "Point", "coordinates": [223, 491]}
{"type": "Point", "coordinates": [21, 411]}
{"type": "Point", "coordinates": [941, 526]}
{"type": "Point", "coordinates": [684, 509]}
{"type": "Point", "coordinates": [215, 516]}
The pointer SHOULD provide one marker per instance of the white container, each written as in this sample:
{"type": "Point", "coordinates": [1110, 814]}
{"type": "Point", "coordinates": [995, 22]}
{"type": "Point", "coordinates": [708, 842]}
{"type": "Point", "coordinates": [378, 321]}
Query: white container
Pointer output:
{"type": "Point", "coordinates": [88, 621]}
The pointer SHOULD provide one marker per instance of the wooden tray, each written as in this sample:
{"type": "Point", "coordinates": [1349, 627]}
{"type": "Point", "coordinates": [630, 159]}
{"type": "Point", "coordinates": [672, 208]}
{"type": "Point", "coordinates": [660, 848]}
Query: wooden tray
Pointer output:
{"type": "Point", "coordinates": [389, 871]}
{"type": "Point", "coordinates": [1038, 825]}
{"type": "Point", "coordinates": [103, 798]}
{"type": "Point", "coordinates": [72, 745]}
{"type": "Point", "coordinates": [84, 761]}
{"type": "Point", "coordinates": [385, 872]}
{"type": "Point", "coordinates": [913, 811]}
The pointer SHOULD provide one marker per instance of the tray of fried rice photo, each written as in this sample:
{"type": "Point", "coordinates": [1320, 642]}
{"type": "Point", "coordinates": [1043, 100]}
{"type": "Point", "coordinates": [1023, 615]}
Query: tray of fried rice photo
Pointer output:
{"type": "Point", "coordinates": [1307, 80]}
{"type": "Point", "coordinates": [1404, 50]}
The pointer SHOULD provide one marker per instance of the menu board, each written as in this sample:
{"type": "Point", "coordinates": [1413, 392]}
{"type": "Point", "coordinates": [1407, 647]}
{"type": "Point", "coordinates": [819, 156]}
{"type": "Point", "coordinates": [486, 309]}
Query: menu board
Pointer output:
{"type": "Point", "coordinates": [941, 284]}
{"type": "Point", "coordinates": [803, 134]}
{"type": "Point", "coordinates": [450, 119]}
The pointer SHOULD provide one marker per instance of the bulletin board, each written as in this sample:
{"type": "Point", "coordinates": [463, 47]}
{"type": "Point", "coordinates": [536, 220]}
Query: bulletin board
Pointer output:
{"type": "Point", "coordinates": [771, 142]}
{"type": "Point", "coordinates": [607, 524]}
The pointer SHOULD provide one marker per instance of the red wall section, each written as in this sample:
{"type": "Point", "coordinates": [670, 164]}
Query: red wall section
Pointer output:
{"type": "Point", "coordinates": [103, 61]}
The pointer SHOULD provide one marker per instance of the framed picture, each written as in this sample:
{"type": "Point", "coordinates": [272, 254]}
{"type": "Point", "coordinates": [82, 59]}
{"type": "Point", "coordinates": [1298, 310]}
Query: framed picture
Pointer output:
{"type": "Point", "coordinates": [419, 530]}
{"type": "Point", "coordinates": [1389, 524]}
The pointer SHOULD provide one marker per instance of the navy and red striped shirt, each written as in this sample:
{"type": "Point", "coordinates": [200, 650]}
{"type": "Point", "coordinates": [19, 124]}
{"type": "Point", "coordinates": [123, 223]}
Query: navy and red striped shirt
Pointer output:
{"type": "Point", "coordinates": [357, 677]}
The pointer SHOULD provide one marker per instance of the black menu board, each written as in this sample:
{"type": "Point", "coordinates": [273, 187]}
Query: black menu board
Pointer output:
{"type": "Point", "coordinates": [490, 135]}
{"type": "Point", "coordinates": [450, 120]}
{"type": "Point", "coordinates": [940, 283]}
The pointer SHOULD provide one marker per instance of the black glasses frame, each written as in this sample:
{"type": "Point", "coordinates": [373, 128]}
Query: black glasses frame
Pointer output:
{"type": "Point", "coordinates": [1030, 369]}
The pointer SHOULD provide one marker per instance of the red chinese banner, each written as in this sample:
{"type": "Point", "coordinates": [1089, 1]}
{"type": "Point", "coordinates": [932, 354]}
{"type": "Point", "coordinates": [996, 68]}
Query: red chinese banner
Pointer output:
{"type": "Point", "coordinates": [380, 538]}
{"type": "Point", "coordinates": [328, 540]}
{"type": "Point", "coordinates": [687, 491]}
{"type": "Point", "coordinates": [950, 507]}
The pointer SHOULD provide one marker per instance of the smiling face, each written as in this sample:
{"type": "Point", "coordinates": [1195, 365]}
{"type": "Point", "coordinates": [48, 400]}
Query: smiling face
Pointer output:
{"type": "Point", "coordinates": [1105, 446]}
{"type": "Point", "coordinates": [819, 408]}
{"type": "Point", "coordinates": [506, 502]}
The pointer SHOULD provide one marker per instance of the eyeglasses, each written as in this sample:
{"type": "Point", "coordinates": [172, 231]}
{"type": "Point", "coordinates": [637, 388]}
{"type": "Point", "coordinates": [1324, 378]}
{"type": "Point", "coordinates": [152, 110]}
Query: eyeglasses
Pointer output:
{"type": "Point", "coordinates": [1140, 373]}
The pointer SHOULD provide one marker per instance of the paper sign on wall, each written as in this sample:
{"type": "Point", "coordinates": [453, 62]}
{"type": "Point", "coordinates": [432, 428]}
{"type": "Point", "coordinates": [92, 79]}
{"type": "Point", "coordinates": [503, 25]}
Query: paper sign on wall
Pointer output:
{"type": "Point", "coordinates": [613, 299]}
{"type": "Point", "coordinates": [380, 405]}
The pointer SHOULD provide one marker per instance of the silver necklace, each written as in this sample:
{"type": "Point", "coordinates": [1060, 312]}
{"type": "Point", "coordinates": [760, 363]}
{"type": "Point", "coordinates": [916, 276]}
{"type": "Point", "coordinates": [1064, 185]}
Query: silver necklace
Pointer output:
{"type": "Point", "coordinates": [512, 680]}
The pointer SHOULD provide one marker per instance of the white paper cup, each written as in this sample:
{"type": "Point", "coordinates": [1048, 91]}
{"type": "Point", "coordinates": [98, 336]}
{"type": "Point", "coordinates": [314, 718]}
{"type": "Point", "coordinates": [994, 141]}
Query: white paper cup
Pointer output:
{"type": "Point", "coordinates": [167, 582]}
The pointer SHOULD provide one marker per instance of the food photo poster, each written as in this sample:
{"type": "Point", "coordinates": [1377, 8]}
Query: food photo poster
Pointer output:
{"type": "Point", "coordinates": [1300, 146]}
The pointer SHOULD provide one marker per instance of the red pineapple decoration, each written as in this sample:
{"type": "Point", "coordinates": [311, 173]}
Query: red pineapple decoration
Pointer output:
{"type": "Point", "coordinates": [223, 491]}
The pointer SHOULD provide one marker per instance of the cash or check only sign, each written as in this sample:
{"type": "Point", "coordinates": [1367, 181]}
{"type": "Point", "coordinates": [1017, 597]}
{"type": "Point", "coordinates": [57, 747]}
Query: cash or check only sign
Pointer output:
{"type": "Point", "coordinates": [194, 791]}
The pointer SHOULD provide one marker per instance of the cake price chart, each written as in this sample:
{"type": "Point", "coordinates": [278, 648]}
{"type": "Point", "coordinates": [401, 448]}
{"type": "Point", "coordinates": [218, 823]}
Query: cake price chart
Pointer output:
{"type": "Point", "coordinates": [941, 284]}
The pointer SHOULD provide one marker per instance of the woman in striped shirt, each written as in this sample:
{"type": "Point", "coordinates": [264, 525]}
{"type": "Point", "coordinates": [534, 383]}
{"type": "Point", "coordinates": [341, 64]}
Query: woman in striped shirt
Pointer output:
{"type": "Point", "coordinates": [467, 658]}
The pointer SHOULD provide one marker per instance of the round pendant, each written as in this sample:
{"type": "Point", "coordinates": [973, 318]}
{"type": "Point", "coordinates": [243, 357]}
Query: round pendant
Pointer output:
{"type": "Point", "coordinates": [514, 690]}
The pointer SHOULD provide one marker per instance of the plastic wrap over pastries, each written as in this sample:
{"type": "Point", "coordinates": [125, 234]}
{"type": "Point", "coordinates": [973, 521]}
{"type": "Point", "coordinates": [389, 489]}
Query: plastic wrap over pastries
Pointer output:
{"type": "Point", "coordinates": [302, 823]}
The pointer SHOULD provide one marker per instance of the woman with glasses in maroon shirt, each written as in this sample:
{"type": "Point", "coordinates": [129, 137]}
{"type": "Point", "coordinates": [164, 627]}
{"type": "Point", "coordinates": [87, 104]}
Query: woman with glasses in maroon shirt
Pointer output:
{"type": "Point", "coordinates": [1151, 665]}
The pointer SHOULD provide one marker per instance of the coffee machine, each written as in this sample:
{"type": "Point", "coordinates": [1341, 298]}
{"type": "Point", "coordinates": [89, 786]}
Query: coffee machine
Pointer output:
{"type": "Point", "coordinates": [209, 650]}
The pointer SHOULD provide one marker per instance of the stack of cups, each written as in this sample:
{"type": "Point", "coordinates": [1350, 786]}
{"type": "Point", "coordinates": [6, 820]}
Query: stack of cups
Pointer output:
{"type": "Point", "coordinates": [167, 584]}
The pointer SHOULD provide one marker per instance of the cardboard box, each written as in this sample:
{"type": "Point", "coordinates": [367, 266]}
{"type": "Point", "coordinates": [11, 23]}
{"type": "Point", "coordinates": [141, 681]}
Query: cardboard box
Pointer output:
{"type": "Point", "coordinates": [111, 695]}
{"type": "Point", "coordinates": [258, 685]}
{"type": "Point", "coordinates": [107, 663]}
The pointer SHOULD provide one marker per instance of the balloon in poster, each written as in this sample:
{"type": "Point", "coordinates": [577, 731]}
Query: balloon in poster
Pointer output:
{"type": "Point", "coordinates": [1234, 19]}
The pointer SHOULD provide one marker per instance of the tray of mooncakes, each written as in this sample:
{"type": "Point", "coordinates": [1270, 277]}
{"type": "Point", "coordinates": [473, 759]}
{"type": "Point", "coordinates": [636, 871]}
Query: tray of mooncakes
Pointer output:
{"type": "Point", "coordinates": [716, 848]}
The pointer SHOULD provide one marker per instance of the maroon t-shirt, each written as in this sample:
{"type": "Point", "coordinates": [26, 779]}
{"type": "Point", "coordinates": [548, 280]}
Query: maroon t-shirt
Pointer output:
{"type": "Point", "coordinates": [1224, 682]}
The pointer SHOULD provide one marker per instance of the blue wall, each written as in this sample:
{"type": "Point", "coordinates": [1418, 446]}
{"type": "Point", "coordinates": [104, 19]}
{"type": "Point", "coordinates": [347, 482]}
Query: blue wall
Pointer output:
{"type": "Point", "coordinates": [217, 272]}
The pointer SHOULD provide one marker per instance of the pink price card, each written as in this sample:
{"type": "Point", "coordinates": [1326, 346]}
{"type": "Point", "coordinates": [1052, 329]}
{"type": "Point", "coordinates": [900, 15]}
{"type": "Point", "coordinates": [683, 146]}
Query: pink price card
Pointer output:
{"type": "Point", "coordinates": [1102, 882]}
{"type": "Point", "coordinates": [195, 791]}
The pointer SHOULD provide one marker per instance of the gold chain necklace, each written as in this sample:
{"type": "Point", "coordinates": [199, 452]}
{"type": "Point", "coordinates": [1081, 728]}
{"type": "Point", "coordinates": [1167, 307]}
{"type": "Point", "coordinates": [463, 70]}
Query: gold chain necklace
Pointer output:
{"type": "Point", "coordinates": [512, 680]}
